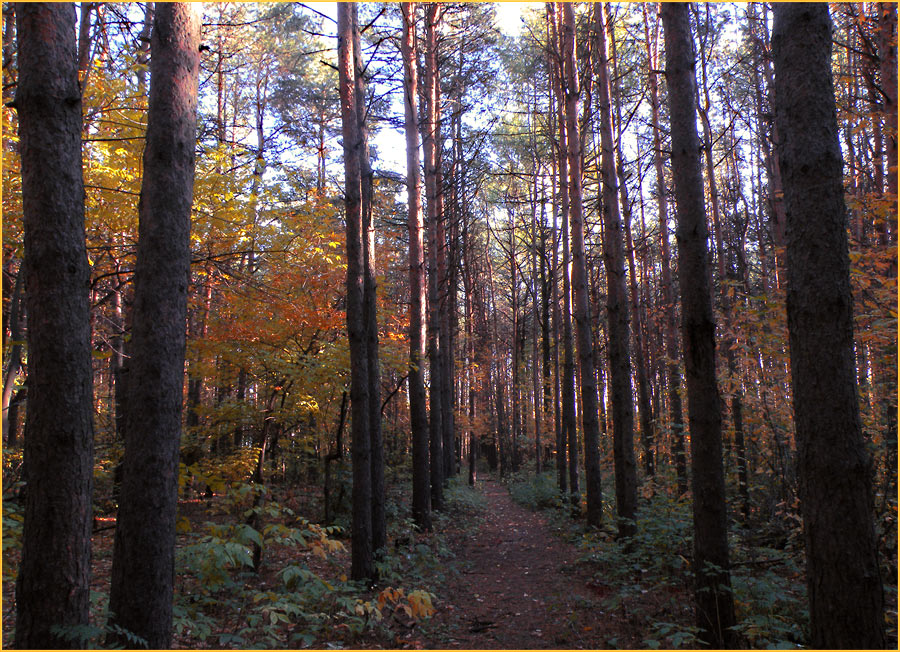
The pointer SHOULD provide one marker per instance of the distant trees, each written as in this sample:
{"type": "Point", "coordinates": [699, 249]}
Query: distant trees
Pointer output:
{"type": "Point", "coordinates": [143, 569]}
{"type": "Point", "coordinates": [53, 586]}
{"type": "Point", "coordinates": [843, 577]}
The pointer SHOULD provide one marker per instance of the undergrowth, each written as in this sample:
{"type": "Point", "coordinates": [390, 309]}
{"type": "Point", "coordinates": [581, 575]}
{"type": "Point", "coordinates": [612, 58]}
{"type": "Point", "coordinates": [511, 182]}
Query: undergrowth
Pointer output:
{"type": "Point", "coordinates": [300, 596]}
{"type": "Point", "coordinates": [650, 574]}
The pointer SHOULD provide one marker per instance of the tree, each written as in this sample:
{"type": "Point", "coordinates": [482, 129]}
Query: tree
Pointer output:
{"type": "Point", "coordinates": [845, 591]}
{"type": "Point", "coordinates": [430, 138]}
{"type": "Point", "coordinates": [589, 402]}
{"type": "Point", "coordinates": [712, 583]}
{"type": "Point", "coordinates": [421, 500]}
{"type": "Point", "coordinates": [143, 556]}
{"type": "Point", "coordinates": [362, 565]}
{"type": "Point", "coordinates": [53, 586]}
{"type": "Point", "coordinates": [676, 417]}
{"type": "Point", "coordinates": [568, 432]}
{"type": "Point", "coordinates": [370, 300]}
{"type": "Point", "coordinates": [616, 301]}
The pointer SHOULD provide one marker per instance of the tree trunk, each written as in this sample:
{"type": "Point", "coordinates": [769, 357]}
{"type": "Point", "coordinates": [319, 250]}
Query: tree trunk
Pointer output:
{"type": "Point", "coordinates": [432, 191]}
{"type": "Point", "coordinates": [673, 380]}
{"type": "Point", "coordinates": [53, 586]}
{"type": "Point", "coordinates": [362, 558]}
{"type": "Point", "coordinates": [589, 405]}
{"type": "Point", "coordinates": [421, 500]}
{"type": "Point", "coordinates": [370, 302]}
{"type": "Point", "coordinates": [616, 302]}
{"type": "Point", "coordinates": [144, 553]}
{"type": "Point", "coordinates": [559, 429]}
{"type": "Point", "coordinates": [845, 591]}
{"type": "Point", "coordinates": [712, 584]}
{"type": "Point", "coordinates": [569, 425]}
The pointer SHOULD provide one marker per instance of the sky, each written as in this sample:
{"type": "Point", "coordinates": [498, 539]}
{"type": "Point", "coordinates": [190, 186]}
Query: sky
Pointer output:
{"type": "Point", "coordinates": [391, 143]}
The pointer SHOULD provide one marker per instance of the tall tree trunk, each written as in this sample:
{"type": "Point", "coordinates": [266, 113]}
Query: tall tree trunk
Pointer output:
{"type": "Point", "coordinates": [616, 301]}
{"type": "Point", "coordinates": [144, 554]}
{"type": "Point", "coordinates": [432, 192]}
{"type": "Point", "coordinates": [712, 584]}
{"type": "Point", "coordinates": [362, 558]}
{"type": "Point", "coordinates": [673, 379]}
{"type": "Point", "coordinates": [569, 425]}
{"type": "Point", "coordinates": [559, 429]}
{"type": "Point", "coordinates": [53, 586]}
{"type": "Point", "coordinates": [421, 501]}
{"type": "Point", "coordinates": [370, 300]}
{"type": "Point", "coordinates": [589, 404]}
{"type": "Point", "coordinates": [845, 591]}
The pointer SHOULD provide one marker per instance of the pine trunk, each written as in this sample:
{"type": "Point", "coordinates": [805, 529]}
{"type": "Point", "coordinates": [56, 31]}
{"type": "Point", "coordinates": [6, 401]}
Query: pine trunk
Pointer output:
{"type": "Point", "coordinates": [144, 554]}
{"type": "Point", "coordinates": [421, 500]}
{"type": "Point", "coordinates": [845, 592]}
{"type": "Point", "coordinates": [616, 302]}
{"type": "Point", "coordinates": [362, 555]}
{"type": "Point", "coordinates": [712, 583]}
{"type": "Point", "coordinates": [53, 585]}
{"type": "Point", "coordinates": [589, 402]}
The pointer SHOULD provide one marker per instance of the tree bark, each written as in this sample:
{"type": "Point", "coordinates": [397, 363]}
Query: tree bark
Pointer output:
{"type": "Point", "coordinates": [616, 302]}
{"type": "Point", "coordinates": [589, 402]}
{"type": "Point", "coordinates": [712, 584]}
{"type": "Point", "coordinates": [144, 553]}
{"type": "Point", "coordinates": [53, 586]}
{"type": "Point", "coordinates": [845, 591]}
{"type": "Point", "coordinates": [673, 379]}
{"type": "Point", "coordinates": [432, 191]}
{"type": "Point", "coordinates": [370, 301]}
{"type": "Point", "coordinates": [421, 500]}
{"type": "Point", "coordinates": [362, 559]}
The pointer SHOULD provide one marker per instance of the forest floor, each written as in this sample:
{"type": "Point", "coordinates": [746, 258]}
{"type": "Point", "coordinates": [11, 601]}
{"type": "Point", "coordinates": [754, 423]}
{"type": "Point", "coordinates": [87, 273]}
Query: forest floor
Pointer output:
{"type": "Point", "coordinates": [522, 586]}
{"type": "Point", "coordinates": [505, 567]}
{"type": "Point", "coordinates": [500, 575]}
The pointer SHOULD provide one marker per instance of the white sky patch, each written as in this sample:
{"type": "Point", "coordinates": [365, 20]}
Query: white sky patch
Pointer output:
{"type": "Point", "coordinates": [390, 142]}
{"type": "Point", "coordinates": [509, 16]}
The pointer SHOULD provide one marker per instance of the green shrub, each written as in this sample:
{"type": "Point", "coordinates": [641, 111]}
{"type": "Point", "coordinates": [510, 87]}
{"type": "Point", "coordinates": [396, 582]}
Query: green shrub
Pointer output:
{"type": "Point", "coordinates": [535, 491]}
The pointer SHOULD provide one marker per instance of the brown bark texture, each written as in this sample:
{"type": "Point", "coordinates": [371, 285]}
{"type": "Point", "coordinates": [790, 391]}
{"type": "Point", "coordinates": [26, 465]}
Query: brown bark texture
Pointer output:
{"type": "Point", "coordinates": [712, 588]}
{"type": "Point", "coordinates": [845, 590]}
{"type": "Point", "coordinates": [584, 341]}
{"type": "Point", "coordinates": [421, 499]}
{"type": "Point", "coordinates": [616, 302]}
{"type": "Point", "coordinates": [53, 585]}
{"type": "Point", "coordinates": [144, 552]}
{"type": "Point", "coordinates": [432, 196]}
{"type": "Point", "coordinates": [362, 558]}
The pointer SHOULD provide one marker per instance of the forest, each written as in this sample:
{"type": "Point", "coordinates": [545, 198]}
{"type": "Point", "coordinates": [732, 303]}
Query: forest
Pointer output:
{"type": "Point", "coordinates": [449, 325]}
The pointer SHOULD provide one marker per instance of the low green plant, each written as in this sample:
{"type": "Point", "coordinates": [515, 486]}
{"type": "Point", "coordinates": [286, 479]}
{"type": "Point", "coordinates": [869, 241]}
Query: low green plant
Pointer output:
{"type": "Point", "coordinates": [535, 491]}
{"type": "Point", "coordinates": [94, 637]}
{"type": "Point", "coordinates": [770, 602]}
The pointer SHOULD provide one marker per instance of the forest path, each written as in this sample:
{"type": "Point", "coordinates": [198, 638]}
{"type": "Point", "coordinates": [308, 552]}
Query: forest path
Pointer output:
{"type": "Point", "coordinates": [520, 587]}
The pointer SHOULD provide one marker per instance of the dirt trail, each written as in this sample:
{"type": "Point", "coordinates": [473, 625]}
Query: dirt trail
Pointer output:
{"type": "Point", "coordinates": [519, 587]}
